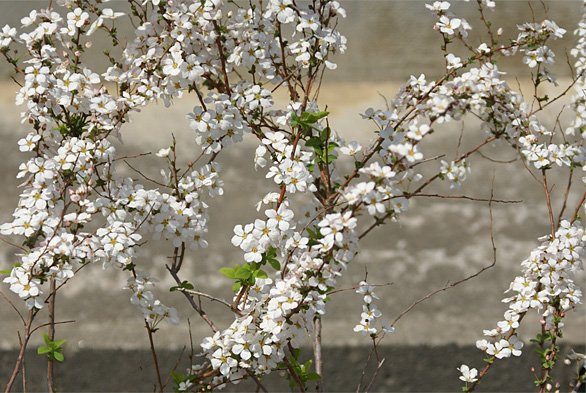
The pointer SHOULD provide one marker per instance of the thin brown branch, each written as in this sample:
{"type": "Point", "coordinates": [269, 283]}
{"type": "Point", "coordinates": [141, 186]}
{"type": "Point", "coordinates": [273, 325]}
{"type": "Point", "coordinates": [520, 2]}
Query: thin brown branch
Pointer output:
{"type": "Point", "coordinates": [207, 296]}
{"type": "Point", "coordinates": [481, 154]}
{"type": "Point", "coordinates": [317, 352]}
{"type": "Point", "coordinates": [51, 335]}
{"type": "Point", "coordinates": [375, 373]}
{"type": "Point", "coordinates": [174, 367]}
{"type": "Point", "coordinates": [469, 198]}
{"type": "Point", "coordinates": [579, 207]}
{"type": "Point", "coordinates": [548, 201]}
{"type": "Point", "coordinates": [145, 176]}
{"type": "Point", "coordinates": [260, 386]}
{"type": "Point", "coordinates": [54, 323]}
{"type": "Point", "coordinates": [293, 373]}
{"type": "Point", "coordinates": [566, 196]}
{"type": "Point", "coordinates": [3, 239]}
{"type": "Point", "coordinates": [356, 287]}
{"type": "Point", "coordinates": [155, 358]}
{"type": "Point", "coordinates": [20, 359]}
{"type": "Point", "coordinates": [192, 302]}
{"type": "Point", "coordinates": [451, 285]}
{"type": "Point", "coordinates": [13, 307]}
{"type": "Point", "coordinates": [562, 94]}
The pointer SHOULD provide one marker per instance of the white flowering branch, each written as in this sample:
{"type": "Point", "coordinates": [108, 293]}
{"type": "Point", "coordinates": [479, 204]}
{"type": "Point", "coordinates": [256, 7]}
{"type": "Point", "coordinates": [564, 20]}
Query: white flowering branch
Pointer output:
{"type": "Point", "coordinates": [235, 59]}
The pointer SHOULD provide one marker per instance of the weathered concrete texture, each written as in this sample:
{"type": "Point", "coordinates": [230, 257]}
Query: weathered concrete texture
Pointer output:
{"type": "Point", "coordinates": [436, 242]}
{"type": "Point", "coordinates": [388, 39]}
{"type": "Point", "coordinates": [419, 368]}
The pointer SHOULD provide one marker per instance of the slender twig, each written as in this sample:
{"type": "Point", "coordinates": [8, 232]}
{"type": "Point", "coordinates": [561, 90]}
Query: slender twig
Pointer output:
{"type": "Point", "coordinates": [51, 335]}
{"type": "Point", "coordinates": [207, 296]}
{"type": "Point", "coordinates": [481, 154]}
{"type": "Point", "coordinates": [566, 196]}
{"type": "Point", "coordinates": [469, 198]}
{"type": "Point", "coordinates": [23, 368]}
{"type": "Point", "coordinates": [317, 352]}
{"type": "Point", "coordinates": [154, 354]}
{"type": "Point", "coordinates": [191, 301]}
{"type": "Point", "coordinates": [260, 386]}
{"type": "Point", "coordinates": [294, 375]}
{"type": "Point", "coordinates": [375, 373]}
{"type": "Point", "coordinates": [548, 201]}
{"type": "Point", "coordinates": [356, 287]}
{"type": "Point", "coordinates": [13, 307]}
{"type": "Point", "coordinates": [579, 207]}
{"type": "Point", "coordinates": [54, 323]}
{"type": "Point", "coordinates": [145, 176]}
{"type": "Point", "coordinates": [3, 239]}
{"type": "Point", "coordinates": [191, 350]}
{"type": "Point", "coordinates": [20, 359]}
{"type": "Point", "coordinates": [451, 285]}
{"type": "Point", "coordinates": [363, 374]}
{"type": "Point", "coordinates": [174, 367]}
{"type": "Point", "coordinates": [562, 94]}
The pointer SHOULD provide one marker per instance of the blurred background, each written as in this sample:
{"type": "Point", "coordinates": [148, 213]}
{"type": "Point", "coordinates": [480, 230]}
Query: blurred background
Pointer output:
{"type": "Point", "coordinates": [436, 242]}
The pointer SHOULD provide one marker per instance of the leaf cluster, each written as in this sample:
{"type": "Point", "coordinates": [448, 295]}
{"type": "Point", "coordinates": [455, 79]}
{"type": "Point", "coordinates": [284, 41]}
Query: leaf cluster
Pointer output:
{"type": "Point", "coordinates": [52, 348]}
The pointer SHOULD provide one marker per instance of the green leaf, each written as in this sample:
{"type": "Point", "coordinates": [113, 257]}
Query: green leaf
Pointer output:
{"type": "Point", "coordinates": [316, 143]}
{"type": "Point", "coordinates": [312, 377]}
{"type": "Point", "coordinates": [271, 252]}
{"type": "Point", "coordinates": [236, 286]}
{"type": "Point", "coordinates": [58, 356]}
{"type": "Point", "coordinates": [261, 274]}
{"type": "Point", "coordinates": [313, 117]}
{"type": "Point", "coordinates": [6, 272]}
{"type": "Point", "coordinates": [295, 120]}
{"type": "Point", "coordinates": [177, 378]}
{"type": "Point", "coordinates": [183, 285]}
{"type": "Point", "coordinates": [43, 350]}
{"type": "Point", "coordinates": [242, 273]}
{"type": "Point", "coordinates": [228, 272]}
{"type": "Point", "coordinates": [274, 264]}
{"type": "Point", "coordinates": [58, 343]}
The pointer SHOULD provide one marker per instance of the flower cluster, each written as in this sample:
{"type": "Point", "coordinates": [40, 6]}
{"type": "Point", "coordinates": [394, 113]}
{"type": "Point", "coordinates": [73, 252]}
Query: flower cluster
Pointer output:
{"type": "Point", "coordinates": [289, 165]}
{"type": "Point", "coordinates": [371, 315]}
{"type": "Point", "coordinates": [280, 310]}
{"type": "Point", "coordinates": [544, 156]}
{"type": "Point", "coordinates": [455, 172]}
{"type": "Point", "coordinates": [546, 285]}
{"type": "Point", "coordinates": [152, 309]}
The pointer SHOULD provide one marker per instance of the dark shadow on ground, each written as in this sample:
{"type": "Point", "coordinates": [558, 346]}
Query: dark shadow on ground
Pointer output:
{"type": "Point", "coordinates": [406, 369]}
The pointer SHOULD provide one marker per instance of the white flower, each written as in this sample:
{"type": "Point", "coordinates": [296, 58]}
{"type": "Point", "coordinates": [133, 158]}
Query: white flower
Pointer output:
{"type": "Point", "coordinates": [351, 149]}
{"type": "Point", "coordinates": [6, 36]}
{"type": "Point", "coordinates": [107, 13]}
{"type": "Point", "coordinates": [163, 152]}
{"type": "Point", "coordinates": [407, 150]}
{"type": "Point", "coordinates": [468, 375]}
{"type": "Point", "coordinates": [365, 328]}
{"type": "Point", "coordinates": [28, 143]}
{"type": "Point", "coordinates": [453, 61]}
{"type": "Point", "coordinates": [279, 218]}
{"type": "Point", "coordinates": [77, 18]}
{"type": "Point", "coordinates": [447, 25]}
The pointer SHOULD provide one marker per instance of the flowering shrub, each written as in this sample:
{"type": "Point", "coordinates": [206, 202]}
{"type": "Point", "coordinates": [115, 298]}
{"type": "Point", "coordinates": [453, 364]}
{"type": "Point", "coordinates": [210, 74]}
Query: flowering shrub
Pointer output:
{"type": "Point", "coordinates": [75, 209]}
